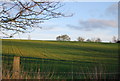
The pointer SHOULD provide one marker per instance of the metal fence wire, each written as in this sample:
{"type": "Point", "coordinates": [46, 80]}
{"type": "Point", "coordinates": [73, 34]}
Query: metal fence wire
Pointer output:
{"type": "Point", "coordinates": [41, 68]}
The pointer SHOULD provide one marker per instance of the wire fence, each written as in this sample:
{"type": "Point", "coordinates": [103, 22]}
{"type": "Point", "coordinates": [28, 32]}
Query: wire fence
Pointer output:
{"type": "Point", "coordinates": [41, 68]}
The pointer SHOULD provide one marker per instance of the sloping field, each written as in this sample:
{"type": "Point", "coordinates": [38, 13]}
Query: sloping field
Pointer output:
{"type": "Point", "coordinates": [63, 56]}
{"type": "Point", "coordinates": [75, 51]}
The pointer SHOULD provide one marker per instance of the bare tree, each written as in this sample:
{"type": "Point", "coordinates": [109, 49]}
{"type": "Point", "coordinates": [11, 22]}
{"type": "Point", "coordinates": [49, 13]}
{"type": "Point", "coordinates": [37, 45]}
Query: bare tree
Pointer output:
{"type": "Point", "coordinates": [63, 38]}
{"type": "Point", "coordinates": [23, 16]}
{"type": "Point", "coordinates": [114, 39]}
{"type": "Point", "coordinates": [58, 38]}
{"type": "Point", "coordinates": [80, 39]}
{"type": "Point", "coordinates": [88, 40]}
{"type": "Point", "coordinates": [98, 40]}
{"type": "Point", "coordinates": [29, 37]}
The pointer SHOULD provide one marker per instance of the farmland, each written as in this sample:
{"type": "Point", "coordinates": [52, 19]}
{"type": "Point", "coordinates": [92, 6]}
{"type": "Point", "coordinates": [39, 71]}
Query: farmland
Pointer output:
{"type": "Point", "coordinates": [61, 56]}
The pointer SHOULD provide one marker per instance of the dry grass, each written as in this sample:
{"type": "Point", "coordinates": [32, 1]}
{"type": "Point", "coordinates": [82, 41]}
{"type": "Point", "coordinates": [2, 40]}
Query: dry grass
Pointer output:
{"type": "Point", "coordinates": [95, 74]}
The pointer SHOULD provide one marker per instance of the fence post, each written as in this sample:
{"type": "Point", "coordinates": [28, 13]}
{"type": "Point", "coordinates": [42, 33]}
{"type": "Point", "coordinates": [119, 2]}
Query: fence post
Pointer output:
{"type": "Point", "coordinates": [16, 67]}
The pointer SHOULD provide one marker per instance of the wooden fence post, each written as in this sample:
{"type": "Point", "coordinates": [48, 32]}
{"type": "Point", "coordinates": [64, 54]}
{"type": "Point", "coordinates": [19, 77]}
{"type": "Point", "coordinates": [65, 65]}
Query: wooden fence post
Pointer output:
{"type": "Point", "coordinates": [16, 67]}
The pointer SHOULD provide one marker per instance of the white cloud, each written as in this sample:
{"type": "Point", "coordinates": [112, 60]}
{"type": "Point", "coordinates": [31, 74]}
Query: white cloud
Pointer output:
{"type": "Point", "coordinates": [91, 24]}
{"type": "Point", "coordinates": [98, 23]}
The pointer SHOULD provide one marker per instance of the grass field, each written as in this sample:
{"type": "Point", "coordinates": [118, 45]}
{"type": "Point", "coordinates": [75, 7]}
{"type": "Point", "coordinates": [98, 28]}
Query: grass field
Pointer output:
{"type": "Point", "coordinates": [59, 56]}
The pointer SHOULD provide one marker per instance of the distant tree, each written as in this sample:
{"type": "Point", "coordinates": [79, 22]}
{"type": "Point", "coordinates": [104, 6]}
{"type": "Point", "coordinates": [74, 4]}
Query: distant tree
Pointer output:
{"type": "Point", "coordinates": [98, 40]}
{"type": "Point", "coordinates": [118, 40]}
{"type": "Point", "coordinates": [63, 38]}
{"type": "Point", "coordinates": [80, 39]}
{"type": "Point", "coordinates": [114, 40]}
{"type": "Point", "coordinates": [58, 38]}
{"type": "Point", "coordinates": [110, 42]}
{"type": "Point", "coordinates": [29, 37]}
{"type": "Point", "coordinates": [66, 38]}
{"type": "Point", "coordinates": [88, 40]}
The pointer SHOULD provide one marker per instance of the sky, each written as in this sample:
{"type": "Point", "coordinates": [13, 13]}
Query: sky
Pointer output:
{"type": "Point", "coordinates": [89, 20]}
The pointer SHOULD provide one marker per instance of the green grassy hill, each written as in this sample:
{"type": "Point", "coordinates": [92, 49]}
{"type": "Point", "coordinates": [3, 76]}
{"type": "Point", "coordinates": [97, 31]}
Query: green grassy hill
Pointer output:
{"type": "Point", "coordinates": [63, 55]}
{"type": "Point", "coordinates": [78, 51]}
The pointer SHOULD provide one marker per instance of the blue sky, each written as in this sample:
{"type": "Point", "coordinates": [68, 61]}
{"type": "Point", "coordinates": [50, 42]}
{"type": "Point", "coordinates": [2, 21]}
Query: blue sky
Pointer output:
{"type": "Point", "coordinates": [90, 20]}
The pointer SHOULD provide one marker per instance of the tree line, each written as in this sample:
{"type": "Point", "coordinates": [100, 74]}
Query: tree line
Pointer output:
{"type": "Point", "coordinates": [81, 39]}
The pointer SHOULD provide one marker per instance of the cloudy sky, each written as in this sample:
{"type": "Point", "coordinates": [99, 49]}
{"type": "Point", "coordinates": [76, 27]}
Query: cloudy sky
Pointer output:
{"type": "Point", "coordinates": [90, 20]}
